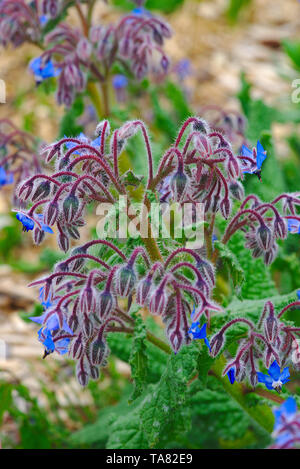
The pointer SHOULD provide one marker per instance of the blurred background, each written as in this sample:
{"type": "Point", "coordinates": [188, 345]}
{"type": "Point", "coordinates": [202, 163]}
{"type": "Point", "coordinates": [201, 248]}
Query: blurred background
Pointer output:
{"type": "Point", "coordinates": [237, 56]}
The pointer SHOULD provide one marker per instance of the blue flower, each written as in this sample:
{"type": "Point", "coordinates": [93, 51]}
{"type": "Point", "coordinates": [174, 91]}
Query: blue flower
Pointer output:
{"type": "Point", "coordinates": [43, 70]}
{"type": "Point", "coordinates": [275, 380]}
{"type": "Point", "coordinates": [285, 412]}
{"type": "Point", "coordinates": [261, 155]}
{"type": "Point", "coordinates": [140, 11]}
{"type": "Point", "coordinates": [183, 69]}
{"type": "Point", "coordinates": [43, 20]}
{"type": "Point", "coordinates": [45, 337]}
{"type": "Point", "coordinates": [5, 178]}
{"type": "Point", "coordinates": [293, 225]}
{"type": "Point", "coordinates": [119, 82]}
{"type": "Point", "coordinates": [298, 294]}
{"type": "Point", "coordinates": [84, 140]}
{"type": "Point", "coordinates": [197, 332]}
{"type": "Point", "coordinates": [231, 375]}
{"type": "Point", "coordinates": [28, 223]}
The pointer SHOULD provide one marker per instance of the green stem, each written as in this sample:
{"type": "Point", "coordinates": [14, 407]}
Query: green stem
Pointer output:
{"type": "Point", "coordinates": [159, 343]}
{"type": "Point", "coordinates": [94, 94]}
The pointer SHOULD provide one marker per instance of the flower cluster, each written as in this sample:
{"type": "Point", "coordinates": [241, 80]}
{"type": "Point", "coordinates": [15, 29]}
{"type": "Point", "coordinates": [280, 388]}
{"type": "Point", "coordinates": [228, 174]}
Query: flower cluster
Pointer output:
{"type": "Point", "coordinates": [72, 54]}
{"type": "Point", "coordinates": [270, 341]}
{"type": "Point", "coordinates": [17, 158]}
{"type": "Point", "coordinates": [89, 292]}
{"type": "Point", "coordinates": [22, 21]}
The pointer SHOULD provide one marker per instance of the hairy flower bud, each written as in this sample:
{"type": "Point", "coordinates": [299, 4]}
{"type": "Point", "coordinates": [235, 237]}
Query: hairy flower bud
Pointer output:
{"type": "Point", "coordinates": [179, 185]}
{"type": "Point", "coordinates": [216, 343]}
{"type": "Point", "coordinates": [225, 207]}
{"type": "Point", "coordinates": [106, 304]}
{"type": "Point", "coordinates": [63, 241]}
{"type": "Point", "coordinates": [99, 351]}
{"type": "Point", "coordinates": [237, 190]}
{"type": "Point", "coordinates": [253, 378]}
{"type": "Point", "coordinates": [70, 207]}
{"type": "Point", "coordinates": [84, 49]}
{"type": "Point", "coordinates": [42, 191]}
{"type": "Point", "coordinates": [142, 291]}
{"type": "Point", "coordinates": [125, 280]}
{"type": "Point", "coordinates": [76, 347]}
{"type": "Point", "coordinates": [51, 213]}
{"type": "Point", "coordinates": [280, 228]}
{"type": "Point", "coordinates": [88, 300]}
{"type": "Point", "coordinates": [38, 235]}
{"type": "Point", "coordinates": [88, 327]}
{"type": "Point", "coordinates": [271, 325]}
{"type": "Point", "coordinates": [264, 237]}
{"type": "Point", "coordinates": [82, 374]}
{"type": "Point", "coordinates": [158, 301]}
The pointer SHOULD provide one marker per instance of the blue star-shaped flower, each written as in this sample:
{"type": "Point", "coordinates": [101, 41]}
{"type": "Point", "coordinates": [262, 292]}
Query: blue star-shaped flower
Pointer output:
{"type": "Point", "coordinates": [293, 225]}
{"type": "Point", "coordinates": [5, 178]}
{"type": "Point", "coordinates": [231, 375]}
{"type": "Point", "coordinates": [276, 379]}
{"type": "Point", "coordinates": [28, 223]}
{"type": "Point", "coordinates": [45, 337]}
{"type": "Point", "coordinates": [259, 154]}
{"type": "Point", "coordinates": [197, 332]}
{"type": "Point", "coordinates": [285, 412]}
{"type": "Point", "coordinates": [43, 70]}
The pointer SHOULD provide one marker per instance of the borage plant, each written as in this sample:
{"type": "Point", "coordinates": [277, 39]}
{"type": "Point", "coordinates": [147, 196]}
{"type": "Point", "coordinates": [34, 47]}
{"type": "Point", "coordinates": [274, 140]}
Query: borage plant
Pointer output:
{"type": "Point", "coordinates": [97, 290]}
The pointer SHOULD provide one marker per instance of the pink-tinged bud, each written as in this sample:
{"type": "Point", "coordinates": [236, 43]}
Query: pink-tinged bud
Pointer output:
{"type": "Point", "coordinates": [270, 255]}
{"type": "Point", "coordinates": [25, 190]}
{"type": "Point", "coordinates": [42, 191]}
{"type": "Point", "coordinates": [176, 340]}
{"type": "Point", "coordinates": [63, 241]}
{"type": "Point", "coordinates": [280, 228]}
{"type": "Point", "coordinates": [50, 7]}
{"type": "Point", "coordinates": [253, 378]}
{"type": "Point", "coordinates": [216, 343]}
{"type": "Point", "coordinates": [164, 63]}
{"type": "Point", "coordinates": [179, 185]}
{"type": "Point", "coordinates": [76, 348]}
{"type": "Point", "coordinates": [271, 325]}
{"type": "Point", "coordinates": [84, 49]}
{"type": "Point", "coordinates": [99, 129]}
{"type": "Point", "coordinates": [233, 168]}
{"type": "Point", "coordinates": [73, 323]}
{"type": "Point", "coordinates": [88, 300]}
{"type": "Point", "coordinates": [207, 271]}
{"type": "Point", "coordinates": [94, 372]}
{"type": "Point", "coordinates": [158, 301]}
{"type": "Point", "coordinates": [82, 374]}
{"type": "Point", "coordinates": [264, 237]}
{"type": "Point", "coordinates": [129, 129]}
{"type": "Point", "coordinates": [38, 235]}
{"type": "Point", "coordinates": [200, 125]}
{"type": "Point", "coordinates": [70, 207]}
{"type": "Point", "coordinates": [88, 327]}
{"type": "Point", "coordinates": [142, 291]}
{"type": "Point", "coordinates": [125, 280]}
{"type": "Point", "coordinates": [78, 263]}
{"type": "Point", "coordinates": [73, 232]}
{"type": "Point", "coordinates": [257, 252]}
{"type": "Point", "coordinates": [225, 207]}
{"type": "Point", "coordinates": [99, 351]}
{"type": "Point", "coordinates": [237, 190]}
{"type": "Point", "coordinates": [51, 213]}
{"type": "Point", "coordinates": [106, 304]}
{"type": "Point", "coordinates": [240, 372]}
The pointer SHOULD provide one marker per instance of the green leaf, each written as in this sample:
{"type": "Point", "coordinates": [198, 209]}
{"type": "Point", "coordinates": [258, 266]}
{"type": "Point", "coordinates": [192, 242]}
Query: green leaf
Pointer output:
{"type": "Point", "coordinates": [138, 358]}
{"type": "Point", "coordinates": [5, 398]}
{"type": "Point", "coordinates": [131, 179]}
{"type": "Point", "coordinates": [235, 270]}
{"type": "Point", "coordinates": [292, 49]}
{"type": "Point", "coordinates": [166, 401]}
{"type": "Point", "coordinates": [234, 9]}
{"type": "Point", "coordinates": [244, 94]}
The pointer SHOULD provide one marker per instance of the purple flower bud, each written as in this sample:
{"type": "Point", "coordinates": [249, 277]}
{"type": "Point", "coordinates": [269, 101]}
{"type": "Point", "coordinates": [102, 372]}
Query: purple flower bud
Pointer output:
{"type": "Point", "coordinates": [99, 351]}
{"type": "Point", "coordinates": [63, 241]}
{"type": "Point", "coordinates": [264, 237]}
{"type": "Point", "coordinates": [164, 63]}
{"type": "Point", "coordinates": [73, 232]}
{"type": "Point", "coordinates": [94, 372]}
{"type": "Point", "coordinates": [84, 49]}
{"type": "Point", "coordinates": [216, 343]}
{"type": "Point", "coordinates": [179, 185]}
{"type": "Point", "coordinates": [38, 235]}
{"type": "Point", "coordinates": [82, 374]}
{"type": "Point", "coordinates": [207, 271]}
{"type": "Point", "coordinates": [142, 291]}
{"type": "Point", "coordinates": [237, 190]}
{"type": "Point", "coordinates": [253, 378]}
{"type": "Point", "coordinates": [76, 347]}
{"type": "Point", "coordinates": [280, 228]}
{"type": "Point", "coordinates": [106, 304]}
{"type": "Point", "coordinates": [240, 372]}
{"type": "Point", "coordinates": [225, 207]}
{"type": "Point", "coordinates": [158, 301]}
{"type": "Point", "coordinates": [70, 207]}
{"type": "Point", "coordinates": [271, 325]}
{"type": "Point", "coordinates": [270, 255]}
{"type": "Point", "coordinates": [42, 191]}
{"type": "Point", "coordinates": [125, 280]}
{"type": "Point", "coordinates": [88, 300]}
{"type": "Point", "coordinates": [200, 125]}
{"type": "Point", "coordinates": [176, 340]}
{"type": "Point", "coordinates": [233, 168]}
{"type": "Point", "coordinates": [25, 190]}
{"type": "Point", "coordinates": [51, 213]}
{"type": "Point", "coordinates": [88, 327]}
